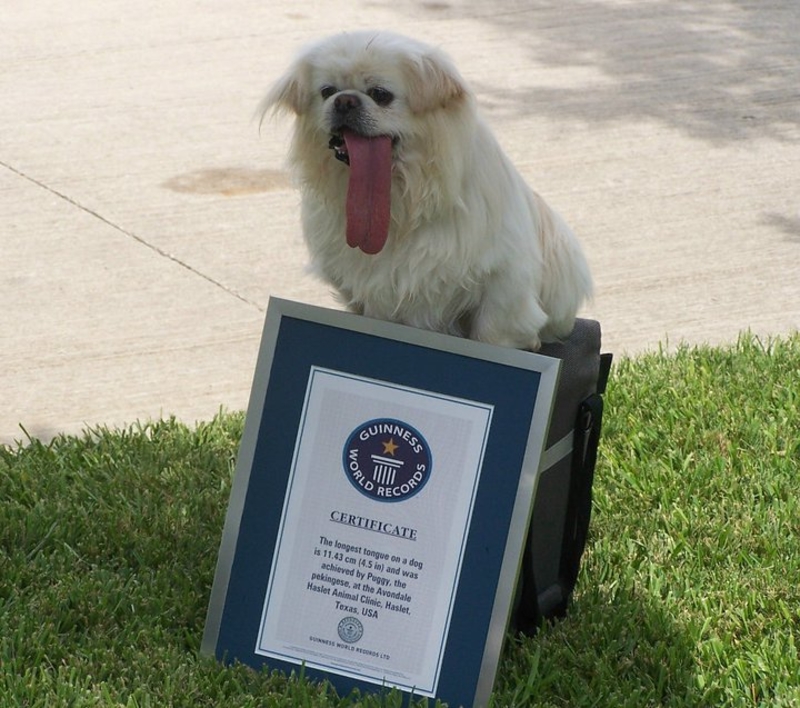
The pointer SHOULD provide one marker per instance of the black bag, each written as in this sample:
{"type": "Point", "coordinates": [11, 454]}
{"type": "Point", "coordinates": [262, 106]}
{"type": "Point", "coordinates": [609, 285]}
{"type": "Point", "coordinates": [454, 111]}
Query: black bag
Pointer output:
{"type": "Point", "coordinates": [563, 504]}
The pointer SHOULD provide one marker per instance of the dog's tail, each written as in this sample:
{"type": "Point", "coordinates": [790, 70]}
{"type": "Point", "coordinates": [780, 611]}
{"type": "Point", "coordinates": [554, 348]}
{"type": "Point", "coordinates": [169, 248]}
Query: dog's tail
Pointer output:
{"type": "Point", "coordinates": [566, 279]}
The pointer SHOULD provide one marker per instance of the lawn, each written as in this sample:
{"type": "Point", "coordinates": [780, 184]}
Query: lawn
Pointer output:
{"type": "Point", "coordinates": [689, 594]}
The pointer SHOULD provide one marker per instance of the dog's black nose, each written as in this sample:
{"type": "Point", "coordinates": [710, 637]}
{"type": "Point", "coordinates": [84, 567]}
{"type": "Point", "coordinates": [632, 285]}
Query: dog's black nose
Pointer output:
{"type": "Point", "coordinates": [346, 102]}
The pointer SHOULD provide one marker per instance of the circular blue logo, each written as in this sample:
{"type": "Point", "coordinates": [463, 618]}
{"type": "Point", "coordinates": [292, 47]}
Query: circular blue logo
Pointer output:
{"type": "Point", "coordinates": [387, 460]}
{"type": "Point", "coordinates": [350, 630]}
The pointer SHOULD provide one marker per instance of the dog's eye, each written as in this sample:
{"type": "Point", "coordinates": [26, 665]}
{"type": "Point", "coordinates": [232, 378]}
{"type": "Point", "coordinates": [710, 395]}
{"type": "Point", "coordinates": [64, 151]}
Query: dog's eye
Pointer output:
{"type": "Point", "coordinates": [381, 96]}
{"type": "Point", "coordinates": [327, 91]}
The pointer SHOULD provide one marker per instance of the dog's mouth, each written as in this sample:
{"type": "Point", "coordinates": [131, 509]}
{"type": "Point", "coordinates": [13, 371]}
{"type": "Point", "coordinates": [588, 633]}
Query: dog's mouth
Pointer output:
{"type": "Point", "coordinates": [339, 147]}
{"type": "Point", "coordinates": [338, 144]}
{"type": "Point", "coordinates": [369, 187]}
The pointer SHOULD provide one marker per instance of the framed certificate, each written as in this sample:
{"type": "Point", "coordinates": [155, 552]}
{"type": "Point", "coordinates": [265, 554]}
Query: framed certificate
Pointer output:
{"type": "Point", "coordinates": [380, 506]}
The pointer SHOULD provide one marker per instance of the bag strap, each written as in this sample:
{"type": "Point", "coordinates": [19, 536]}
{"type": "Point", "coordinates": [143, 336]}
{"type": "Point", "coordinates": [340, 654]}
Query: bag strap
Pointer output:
{"type": "Point", "coordinates": [579, 505]}
{"type": "Point", "coordinates": [584, 459]}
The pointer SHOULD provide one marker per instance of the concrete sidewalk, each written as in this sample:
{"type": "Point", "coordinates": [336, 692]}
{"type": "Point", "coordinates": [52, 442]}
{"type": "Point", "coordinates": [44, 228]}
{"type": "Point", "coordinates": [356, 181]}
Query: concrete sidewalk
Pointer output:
{"type": "Point", "coordinates": [145, 221]}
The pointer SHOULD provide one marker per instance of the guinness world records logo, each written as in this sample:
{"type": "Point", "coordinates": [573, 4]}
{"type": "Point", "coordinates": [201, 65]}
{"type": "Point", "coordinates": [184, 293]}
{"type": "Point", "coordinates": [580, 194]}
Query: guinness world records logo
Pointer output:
{"type": "Point", "coordinates": [350, 630]}
{"type": "Point", "coordinates": [387, 460]}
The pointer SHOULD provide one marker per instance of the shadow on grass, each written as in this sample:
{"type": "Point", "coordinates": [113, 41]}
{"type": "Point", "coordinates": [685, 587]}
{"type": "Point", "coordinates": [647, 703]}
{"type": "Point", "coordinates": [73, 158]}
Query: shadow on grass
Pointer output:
{"type": "Point", "coordinates": [615, 648]}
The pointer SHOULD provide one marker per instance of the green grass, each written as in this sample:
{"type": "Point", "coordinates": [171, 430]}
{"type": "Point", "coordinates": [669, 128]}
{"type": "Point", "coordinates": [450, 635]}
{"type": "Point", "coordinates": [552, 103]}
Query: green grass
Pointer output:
{"type": "Point", "coordinates": [689, 593]}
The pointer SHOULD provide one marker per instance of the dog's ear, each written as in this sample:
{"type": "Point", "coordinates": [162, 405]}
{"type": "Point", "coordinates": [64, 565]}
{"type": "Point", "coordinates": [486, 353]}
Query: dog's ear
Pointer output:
{"type": "Point", "coordinates": [432, 82]}
{"type": "Point", "coordinates": [291, 92]}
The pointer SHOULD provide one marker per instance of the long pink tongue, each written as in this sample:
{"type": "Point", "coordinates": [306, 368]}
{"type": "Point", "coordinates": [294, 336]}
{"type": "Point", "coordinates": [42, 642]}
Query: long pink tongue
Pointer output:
{"type": "Point", "coordinates": [369, 191]}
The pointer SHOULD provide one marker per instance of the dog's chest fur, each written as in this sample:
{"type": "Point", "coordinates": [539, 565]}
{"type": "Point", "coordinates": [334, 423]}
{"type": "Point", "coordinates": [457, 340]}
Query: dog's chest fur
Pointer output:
{"type": "Point", "coordinates": [425, 277]}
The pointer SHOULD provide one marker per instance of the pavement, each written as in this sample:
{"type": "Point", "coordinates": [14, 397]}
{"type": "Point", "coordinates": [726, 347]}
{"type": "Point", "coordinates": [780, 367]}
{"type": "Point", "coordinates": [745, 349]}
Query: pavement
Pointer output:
{"type": "Point", "coordinates": [146, 220]}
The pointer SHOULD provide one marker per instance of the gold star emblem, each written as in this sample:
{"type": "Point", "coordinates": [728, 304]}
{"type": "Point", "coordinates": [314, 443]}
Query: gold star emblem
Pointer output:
{"type": "Point", "coordinates": [390, 447]}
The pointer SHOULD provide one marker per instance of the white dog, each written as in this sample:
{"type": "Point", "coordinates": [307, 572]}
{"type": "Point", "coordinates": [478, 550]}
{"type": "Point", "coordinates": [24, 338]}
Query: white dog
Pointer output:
{"type": "Point", "coordinates": [410, 208]}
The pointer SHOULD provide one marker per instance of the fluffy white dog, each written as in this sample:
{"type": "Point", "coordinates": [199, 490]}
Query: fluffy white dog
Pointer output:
{"type": "Point", "coordinates": [410, 208]}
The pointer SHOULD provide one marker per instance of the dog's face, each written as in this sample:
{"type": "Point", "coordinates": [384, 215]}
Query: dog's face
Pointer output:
{"type": "Point", "coordinates": [374, 83]}
{"type": "Point", "coordinates": [373, 102]}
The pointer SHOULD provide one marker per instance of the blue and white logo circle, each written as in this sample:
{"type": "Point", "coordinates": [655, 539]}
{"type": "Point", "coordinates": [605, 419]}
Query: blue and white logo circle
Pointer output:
{"type": "Point", "coordinates": [387, 460]}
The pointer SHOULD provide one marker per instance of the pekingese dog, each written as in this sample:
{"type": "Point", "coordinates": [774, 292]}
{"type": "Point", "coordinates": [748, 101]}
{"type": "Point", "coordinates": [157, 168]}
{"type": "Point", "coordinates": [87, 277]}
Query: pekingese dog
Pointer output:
{"type": "Point", "coordinates": [410, 208]}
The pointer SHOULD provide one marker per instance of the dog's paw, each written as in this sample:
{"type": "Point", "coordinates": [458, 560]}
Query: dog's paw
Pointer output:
{"type": "Point", "coordinates": [507, 337]}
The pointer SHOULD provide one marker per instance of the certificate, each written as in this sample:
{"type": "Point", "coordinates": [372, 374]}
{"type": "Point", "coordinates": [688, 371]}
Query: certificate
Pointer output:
{"type": "Point", "coordinates": [373, 530]}
{"type": "Point", "coordinates": [381, 501]}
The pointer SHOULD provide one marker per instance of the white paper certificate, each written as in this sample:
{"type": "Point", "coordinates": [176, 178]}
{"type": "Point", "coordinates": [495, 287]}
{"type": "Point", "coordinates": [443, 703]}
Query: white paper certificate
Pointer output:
{"type": "Point", "coordinates": [373, 530]}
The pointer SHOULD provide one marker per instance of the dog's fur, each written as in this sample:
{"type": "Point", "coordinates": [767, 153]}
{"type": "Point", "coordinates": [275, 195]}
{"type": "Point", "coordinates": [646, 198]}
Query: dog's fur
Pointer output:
{"type": "Point", "coordinates": [471, 250]}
